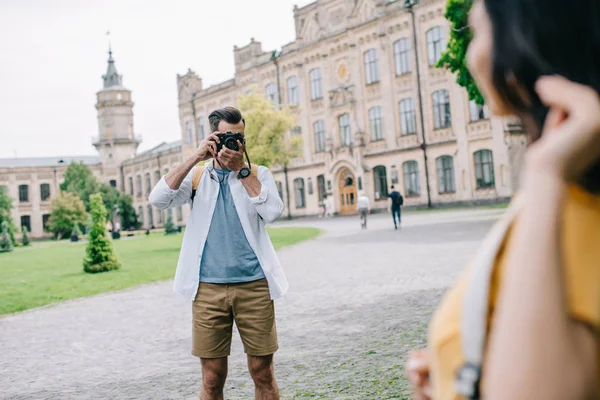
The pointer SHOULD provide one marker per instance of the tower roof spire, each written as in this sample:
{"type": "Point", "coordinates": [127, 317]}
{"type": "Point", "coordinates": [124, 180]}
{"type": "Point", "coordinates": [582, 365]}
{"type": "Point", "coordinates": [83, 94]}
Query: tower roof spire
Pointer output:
{"type": "Point", "coordinates": [112, 77]}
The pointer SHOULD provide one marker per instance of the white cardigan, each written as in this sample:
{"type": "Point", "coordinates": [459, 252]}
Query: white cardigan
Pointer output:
{"type": "Point", "coordinates": [253, 213]}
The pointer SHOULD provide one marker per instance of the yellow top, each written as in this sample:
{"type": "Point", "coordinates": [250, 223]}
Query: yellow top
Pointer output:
{"type": "Point", "coordinates": [581, 252]}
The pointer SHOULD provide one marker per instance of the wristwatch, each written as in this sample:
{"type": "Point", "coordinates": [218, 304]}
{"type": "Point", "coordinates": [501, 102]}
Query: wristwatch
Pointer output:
{"type": "Point", "coordinates": [244, 173]}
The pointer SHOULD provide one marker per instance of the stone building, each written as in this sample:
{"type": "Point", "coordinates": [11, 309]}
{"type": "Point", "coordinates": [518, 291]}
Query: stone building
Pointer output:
{"type": "Point", "coordinates": [371, 109]}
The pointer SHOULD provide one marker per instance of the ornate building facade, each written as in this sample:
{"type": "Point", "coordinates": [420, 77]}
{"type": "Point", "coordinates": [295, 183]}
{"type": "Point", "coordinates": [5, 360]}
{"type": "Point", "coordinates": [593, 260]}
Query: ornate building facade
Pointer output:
{"type": "Point", "coordinates": [372, 109]}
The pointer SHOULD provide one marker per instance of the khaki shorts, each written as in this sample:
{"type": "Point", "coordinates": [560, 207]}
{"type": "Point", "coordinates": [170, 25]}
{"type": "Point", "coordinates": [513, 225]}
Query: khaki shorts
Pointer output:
{"type": "Point", "coordinates": [217, 306]}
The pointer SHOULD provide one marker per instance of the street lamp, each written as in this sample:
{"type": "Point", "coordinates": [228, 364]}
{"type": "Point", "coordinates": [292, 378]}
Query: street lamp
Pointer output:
{"type": "Point", "coordinates": [275, 58]}
{"type": "Point", "coordinates": [408, 4]}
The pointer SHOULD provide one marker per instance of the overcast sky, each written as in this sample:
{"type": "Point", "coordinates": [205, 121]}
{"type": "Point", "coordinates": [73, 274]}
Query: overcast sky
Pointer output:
{"type": "Point", "coordinates": [53, 54]}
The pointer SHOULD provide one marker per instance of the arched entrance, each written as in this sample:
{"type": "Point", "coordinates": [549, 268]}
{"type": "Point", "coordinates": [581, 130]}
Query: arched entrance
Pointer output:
{"type": "Point", "coordinates": [347, 189]}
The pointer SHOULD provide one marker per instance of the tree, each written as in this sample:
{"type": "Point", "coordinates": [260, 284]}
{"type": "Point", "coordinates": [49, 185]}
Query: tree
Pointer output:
{"type": "Point", "coordinates": [268, 134]}
{"type": "Point", "coordinates": [129, 219]}
{"type": "Point", "coordinates": [170, 227]}
{"type": "Point", "coordinates": [454, 58]}
{"type": "Point", "coordinates": [24, 237]}
{"type": "Point", "coordinates": [66, 209]}
{"type": "Point", "coordinates": [80, 181]}
{"type": "Point", "coordinates": [99, 253]}
{"type": "Point", "coordinates": [6, 243]}
{"type": "Point", "coordinates": [5, 207]}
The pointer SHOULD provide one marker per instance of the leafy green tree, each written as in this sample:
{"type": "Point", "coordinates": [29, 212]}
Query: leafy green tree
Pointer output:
{"type": "Point", "coordinates": [75, 233]}
{"type": "Point", "coordinates": [129, 218]}
{"type": "Point", "coordinates": [100, 256]}
{"type": "Point", "coordinates": [170, 227]}
{"type": "Point", "coordinates": [268, 134]}
{"type": "Point", "coordinates": [80, 181]}
{"type": "Point", "coordinates": [5, 207]}
{"type": "Point", "coordinates": [268, 131]}
{"type": "Point", "coordinates": [454, 58]}
{"type": "Point", "coordinates": [66, 209]}
{"type": "Point", "coordinates": [6, 243]}
{"type": "Point", "coordinates": [24, 237]}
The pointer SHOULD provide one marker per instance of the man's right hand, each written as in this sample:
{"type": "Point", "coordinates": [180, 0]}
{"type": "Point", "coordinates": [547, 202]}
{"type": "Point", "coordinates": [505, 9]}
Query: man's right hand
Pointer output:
{"type": "Point", "coordinates": [417, 372]}
{"type": "Point", "coordinates": [208, 147]}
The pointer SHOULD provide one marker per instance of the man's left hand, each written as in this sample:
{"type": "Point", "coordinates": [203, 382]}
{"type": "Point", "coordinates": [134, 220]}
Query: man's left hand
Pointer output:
{"type": "Point", "coordinates": [231, 159]}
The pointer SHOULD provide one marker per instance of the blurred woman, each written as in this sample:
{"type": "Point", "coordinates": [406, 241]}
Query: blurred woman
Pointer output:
{"type": "Point", "coordinates": [539, 59]}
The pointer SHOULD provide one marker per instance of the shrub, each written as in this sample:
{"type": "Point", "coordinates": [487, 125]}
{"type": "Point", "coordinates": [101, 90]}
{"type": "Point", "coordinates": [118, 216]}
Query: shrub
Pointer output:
{"type": "Point", "coordinates": [100, 256]}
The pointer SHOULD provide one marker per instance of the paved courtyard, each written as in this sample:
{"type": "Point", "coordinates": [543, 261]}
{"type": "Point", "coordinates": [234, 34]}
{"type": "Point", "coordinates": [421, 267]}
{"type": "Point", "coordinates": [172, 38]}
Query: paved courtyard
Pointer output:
{"type": "Point", "coordinates": [359, 300]}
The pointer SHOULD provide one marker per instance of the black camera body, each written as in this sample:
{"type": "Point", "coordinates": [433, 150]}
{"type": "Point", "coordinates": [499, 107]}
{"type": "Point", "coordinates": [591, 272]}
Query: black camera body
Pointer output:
{"type": "Point", "coordinates": [230, 140]}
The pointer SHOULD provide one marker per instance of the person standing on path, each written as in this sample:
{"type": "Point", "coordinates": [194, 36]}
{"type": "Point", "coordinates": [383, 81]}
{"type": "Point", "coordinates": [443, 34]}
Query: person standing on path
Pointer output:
{"type": "Point", "coordinates": [397, 202]}
{"type": "Point", "coordinates": [363, 207]}
{"type": "Point", "coordinates": [227, 266]}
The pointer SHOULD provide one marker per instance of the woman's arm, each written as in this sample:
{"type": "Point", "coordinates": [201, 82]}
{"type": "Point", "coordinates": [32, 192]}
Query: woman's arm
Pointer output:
{"type": "Point", "coordinates": [536, 350]}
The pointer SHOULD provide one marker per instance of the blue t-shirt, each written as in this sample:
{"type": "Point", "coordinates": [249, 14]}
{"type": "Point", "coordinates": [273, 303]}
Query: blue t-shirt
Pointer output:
{"type": "Point", "coordinates": [227, 256]}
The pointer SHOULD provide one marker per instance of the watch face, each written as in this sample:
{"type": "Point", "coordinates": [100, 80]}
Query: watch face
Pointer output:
{"type": "Point", "coordinates": [245, 172]}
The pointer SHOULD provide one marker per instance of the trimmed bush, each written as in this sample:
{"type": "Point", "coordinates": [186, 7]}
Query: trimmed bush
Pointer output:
{"type": "Point", "coordinates": [6, 243]}
{"type": "Point", "coordinates": [100, 256]}
{"type": "Point", "coordinates": [24, 238]}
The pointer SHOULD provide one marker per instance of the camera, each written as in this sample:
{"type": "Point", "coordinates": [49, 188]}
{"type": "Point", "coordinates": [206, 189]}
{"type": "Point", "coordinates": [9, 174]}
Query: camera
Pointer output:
{"type": "Point", "coordinates": [230, 140]}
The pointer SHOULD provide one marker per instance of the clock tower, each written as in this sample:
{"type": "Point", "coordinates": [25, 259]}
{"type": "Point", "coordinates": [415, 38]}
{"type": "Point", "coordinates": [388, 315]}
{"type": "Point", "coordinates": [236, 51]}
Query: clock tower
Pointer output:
{"type": "Point", "coordinates": [116, 140]}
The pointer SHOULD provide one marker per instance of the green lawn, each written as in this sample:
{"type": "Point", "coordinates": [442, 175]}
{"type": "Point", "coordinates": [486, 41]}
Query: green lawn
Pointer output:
{"type": "Point", "coordinates": [49, 272]}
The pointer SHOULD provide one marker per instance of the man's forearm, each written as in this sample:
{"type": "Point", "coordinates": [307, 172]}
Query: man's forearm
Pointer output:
{"type": "Point", "coordinates": [176, 176]}
{"type": "Point", "coordinates": [252, 185]}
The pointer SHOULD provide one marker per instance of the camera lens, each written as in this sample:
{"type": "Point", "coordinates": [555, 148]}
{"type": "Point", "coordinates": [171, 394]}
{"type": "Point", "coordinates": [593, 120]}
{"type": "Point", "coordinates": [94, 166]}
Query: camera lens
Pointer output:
{"type": "Point", "coordinates": [231, 144]}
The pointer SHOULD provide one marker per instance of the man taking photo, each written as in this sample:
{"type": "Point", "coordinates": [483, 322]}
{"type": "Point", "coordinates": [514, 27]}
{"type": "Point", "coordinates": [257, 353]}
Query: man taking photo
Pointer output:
{"type": "Point", "coordinates": [227, 265]}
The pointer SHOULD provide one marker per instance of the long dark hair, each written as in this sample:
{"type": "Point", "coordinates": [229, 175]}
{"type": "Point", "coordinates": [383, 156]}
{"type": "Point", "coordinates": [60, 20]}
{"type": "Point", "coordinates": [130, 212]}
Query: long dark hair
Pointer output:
{"type": "Point", "coordinates": [533, 38]}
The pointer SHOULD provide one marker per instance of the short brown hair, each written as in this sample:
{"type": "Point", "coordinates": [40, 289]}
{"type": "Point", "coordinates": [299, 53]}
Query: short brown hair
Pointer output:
{"type": "Point", "coordinates": [230, 115]}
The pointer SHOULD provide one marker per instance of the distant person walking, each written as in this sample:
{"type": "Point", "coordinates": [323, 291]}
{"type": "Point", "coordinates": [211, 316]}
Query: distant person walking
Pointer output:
{"type": "Point", "coordinates": [397, 202]}
{"type": "Point", "coordinates": [363, 207]}
{"type": "Point", "coordinates": [328, 202]}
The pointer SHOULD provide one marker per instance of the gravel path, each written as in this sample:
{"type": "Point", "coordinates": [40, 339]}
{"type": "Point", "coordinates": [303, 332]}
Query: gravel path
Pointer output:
{"type": "Point", "coordinates": [359, 300]}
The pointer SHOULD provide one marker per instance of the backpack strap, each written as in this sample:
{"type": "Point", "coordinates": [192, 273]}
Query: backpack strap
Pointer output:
{"type": "Point", "coordinates": [196, 178]}
{"type": "Point", "coordinates": [473, 328]}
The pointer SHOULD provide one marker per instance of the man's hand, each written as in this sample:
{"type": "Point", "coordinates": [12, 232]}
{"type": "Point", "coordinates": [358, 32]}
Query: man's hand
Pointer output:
{"type": "Point", "coordinates": [231, 159]}
{"type": "Point", "coordinates": [208, 147]}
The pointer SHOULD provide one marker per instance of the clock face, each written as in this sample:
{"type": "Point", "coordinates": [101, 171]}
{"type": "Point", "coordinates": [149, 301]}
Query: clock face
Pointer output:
{"type": "Point", "coordinates": [119, 96]}
{"type": "Point", "coordinates": [342, 72]}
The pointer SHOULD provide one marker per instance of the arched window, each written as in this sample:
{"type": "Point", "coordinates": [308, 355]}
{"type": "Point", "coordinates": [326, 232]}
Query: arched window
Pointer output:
{"type": "Point", "coordinates": [484, 169]}
{"type": "Point", "coordinates": [436, 44]}
{"type": "Point", "coordinates": [445, 174]}
{"type": "Point", "coordinates": [411, 178]}
{"type": "Point", "coordinates": [319, 128]}
{"type": "Point", "coordinates": [380, 179]}
{"type": "Point", "coordinates": [402, 56]}
{"type": "Point", "coordinates": [321, 187]}
{"type": "Point", "coordinates": [271, 90]}
{"type": "Point", "coordinates": [300, 194]}
{"type": "Point", "coordinates": [441, 109]}
{"type": "Point", "coordinates": [371, 67]}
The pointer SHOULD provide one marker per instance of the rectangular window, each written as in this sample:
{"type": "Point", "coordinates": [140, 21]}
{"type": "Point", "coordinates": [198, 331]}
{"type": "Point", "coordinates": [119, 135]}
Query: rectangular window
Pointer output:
{"type": "Point", "coordinates": [140, 215]}
{"type": "Point", "coordinates": [316, 84]}
{"type": "Point", "coordinates": [148, 184]}
{"type": "Point", "coordinates": [484, 169]}
{"type": "Point", "coordinates": [381, 185]}
{"type": "Point", "coordinates": [280, 190]}
{"type": "Point", "coordinates": [157, 176]}
{"type": "Point", "coordinates": [139, 185]}
{"type": "Point", "coordinates": [371, 67]}
{"type": "Point", "coordinates": [159, 216]}
{"type": "Point", "coordinates": [319, 128]}
{"type": "Point", "coordinates": [131, 185]}
{"type": "Point", "coordinates": [299, 191]}
{"type": "Point", "coordinates": [376, 123]}
{"type": "Point", "coordinates": [345, 130]}
{"type": "Point", "coordinates": [408, 117]}
{"type": "Point", "coordinates": [179, 213]}
{"type": "Point", "coordinates": [478, 112]}
{"type": "Point", "coordinates": [441, 109]}
{"type": "Point", "coordinates": [23, 193]}
{"type": "Point", "coordinates": [293, 94]}
{"type": "Point", "coordinates": [150, 217]}
{"type": "Point", "coordinates": [402, 56]}
{"type": "Point", "coordinates": [45, 191]}
{"type": "Point", "coordinates": [201, 129]}
{"type": "Point", "coordinates": [321, 187]}
{"type": "Point", "coordinates": [26, 222]}
{"type": "Point", "coordinates": [45, 219]}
